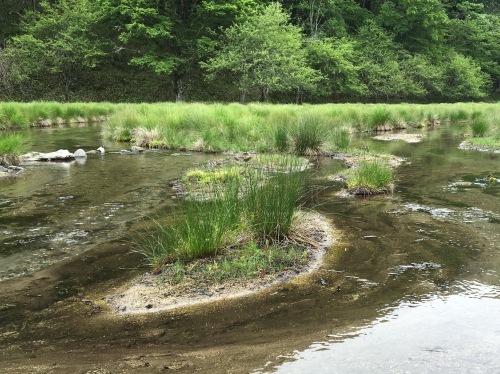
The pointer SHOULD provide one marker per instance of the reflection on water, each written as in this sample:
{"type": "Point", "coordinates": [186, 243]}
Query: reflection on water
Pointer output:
{"type": "Point", "coordinates": [443, 220]}
{"type": "Point", "coordinates": [457, 333]}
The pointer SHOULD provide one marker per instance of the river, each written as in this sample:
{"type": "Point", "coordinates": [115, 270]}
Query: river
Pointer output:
{"type": "Point", "coordinates": [411, 285]}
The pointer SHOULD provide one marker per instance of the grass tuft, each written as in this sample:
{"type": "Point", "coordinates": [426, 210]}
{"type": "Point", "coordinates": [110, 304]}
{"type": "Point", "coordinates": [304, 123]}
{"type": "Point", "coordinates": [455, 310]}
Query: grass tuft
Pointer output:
{"type": "Point", "coordinates": [371, 177]}
{"type": "Point", "coordinates": [479, 127]}
{"type": "Point", "coordinates": [309, 135]}
{"type": "Point", "coordinates": [11, 147]}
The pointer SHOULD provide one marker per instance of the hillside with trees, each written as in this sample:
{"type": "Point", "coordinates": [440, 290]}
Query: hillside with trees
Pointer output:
{"type": "Point", "coordinates": [249, 50]}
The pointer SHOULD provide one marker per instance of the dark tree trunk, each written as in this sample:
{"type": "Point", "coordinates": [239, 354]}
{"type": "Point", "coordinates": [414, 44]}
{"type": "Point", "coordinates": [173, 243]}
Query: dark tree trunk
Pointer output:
{"type": "Point", "coordinates": [179, 89]}
{"type": "Point", "coordinates": [264, 94]}
{"type": "Point", "coordinates": [300, 97]}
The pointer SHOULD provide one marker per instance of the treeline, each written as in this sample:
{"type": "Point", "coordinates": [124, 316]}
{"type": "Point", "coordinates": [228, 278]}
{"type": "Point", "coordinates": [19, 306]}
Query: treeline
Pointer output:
{"type": "Point", "coordinates": [247, 50]}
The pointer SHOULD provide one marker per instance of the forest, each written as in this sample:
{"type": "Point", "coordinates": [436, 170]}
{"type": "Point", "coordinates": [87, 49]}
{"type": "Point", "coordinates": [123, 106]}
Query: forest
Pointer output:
{"type": "Point", "coordinates": [290, 51]}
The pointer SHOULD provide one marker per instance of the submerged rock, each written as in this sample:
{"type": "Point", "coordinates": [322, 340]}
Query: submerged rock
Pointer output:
{"type": "Point", "coordinates": [60, 155]}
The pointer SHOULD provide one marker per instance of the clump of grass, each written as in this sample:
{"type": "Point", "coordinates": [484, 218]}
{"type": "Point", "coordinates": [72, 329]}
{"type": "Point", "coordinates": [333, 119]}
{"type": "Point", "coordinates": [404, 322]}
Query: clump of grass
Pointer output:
{"type": "Point", "coordinates": [144, 137]}
{"type": "Point", "coordinates": [380, 116]}
{"type": "Point", "coordinates": [11, 147]}
{"type": "Point", "coordinates": [204, 228]}
{"type": "Point", "coordinates": [270, 206]}
{"type": "Point", "coordinates": [486, 143]}
{"type": "Point", "coordinates": [309, 135]}
{"type": "Point", "coordinates": [281, 139]}
{"type": "Point", "coordinates": [371, 177]}
{"type": "Point", "coordinates": [209, 182]}
{"type": "Point", "coordinates": [22, 115]}
{"type": "Point", "coordinates": [479, 127]}
{"type": "Point", "coordinates": [341, 139]}
{"type": "Point", "coordinates": [240, 207]}
{"type": "Point", "coordinates": [459, 115]}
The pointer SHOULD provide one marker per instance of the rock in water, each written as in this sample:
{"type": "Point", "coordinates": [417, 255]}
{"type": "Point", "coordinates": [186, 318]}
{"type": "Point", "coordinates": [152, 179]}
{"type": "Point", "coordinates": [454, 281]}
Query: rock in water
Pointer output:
{"type": "Point", "coordinates": [101, 150]}
{"type": "Point", "coordinates": [136, 148]}
{"type": "Point", "coordinates": [60, 155]}
{"type": "Point", "coordinates": [80, 153]}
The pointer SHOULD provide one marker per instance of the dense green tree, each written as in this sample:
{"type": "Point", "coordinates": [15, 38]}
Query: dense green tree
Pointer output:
{"type": "Point", "coordinates": [57, 40]}
{"type": "Point", "coordinates": [172, 37]}
{"type": "Point", "coordinates": [477, 35]}
{"type": "Point", "coordinates": [264, 52]}
{"type": "Point", "coordinates": [417, 24]}
{"type": "Point", "coordinates": [326, 18]}
{"type": "Point", "coordinates": [335, 59]}
{"type": "Point", "coordinates": [381, 65]}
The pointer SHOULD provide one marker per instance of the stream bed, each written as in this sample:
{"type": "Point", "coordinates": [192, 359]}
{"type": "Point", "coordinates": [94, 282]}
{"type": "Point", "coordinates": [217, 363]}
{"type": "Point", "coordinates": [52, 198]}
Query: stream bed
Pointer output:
{"type": "Point", "coordinates": [411, 285]}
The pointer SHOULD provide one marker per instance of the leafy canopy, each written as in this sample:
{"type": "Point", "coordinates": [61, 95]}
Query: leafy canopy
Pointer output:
{"type": "Point", "coordinates": [264, 52]}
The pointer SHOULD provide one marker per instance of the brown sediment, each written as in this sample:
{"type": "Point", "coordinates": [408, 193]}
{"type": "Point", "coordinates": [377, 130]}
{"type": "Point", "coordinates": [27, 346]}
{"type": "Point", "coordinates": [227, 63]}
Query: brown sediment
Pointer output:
{"type": "Point", "coordinates": [151, 293]}
{"type": "Point", "coordinates": [409, 138]}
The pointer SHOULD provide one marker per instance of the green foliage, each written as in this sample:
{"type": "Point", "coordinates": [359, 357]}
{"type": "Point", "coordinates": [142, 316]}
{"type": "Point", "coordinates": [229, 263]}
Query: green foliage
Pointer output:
{"type": "Point", "coordinates": [58, 39]}
{"type": "Point", "coordinates": [371, 177]}
{"type": "Point", "coordinates": [418, 24]}
{"type": "Point", "coordinates": [264, 52]}
{"type": "Point", "coordinates": [479, 127]}
{"type": "Point", "coordinates": [335, 60]}
{"type": "Point", "coordinates": [309, 135]}
{"type": "Point", "coordinates": [11, 146]}
{"type": "Point", "coordinates": [270, 206]}
{"type": "Point", "coordinates": [208, 226]}
{"type": "Point", "coordinates": [341, 139]}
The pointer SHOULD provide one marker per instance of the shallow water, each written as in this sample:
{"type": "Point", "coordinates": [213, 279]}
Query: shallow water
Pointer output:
{"type": "Point", "coordinates": [413, 279]}
{"type": "Point", "coordinates": [444, 239]}
{"type": "Point", "coordinates": [54, 211]}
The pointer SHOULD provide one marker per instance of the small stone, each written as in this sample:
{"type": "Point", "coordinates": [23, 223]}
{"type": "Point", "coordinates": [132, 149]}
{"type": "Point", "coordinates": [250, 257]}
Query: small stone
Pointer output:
{"type": "Point", "coordinates": [136, 148]}
{"type": "Point", "coordinates": [80, 153]}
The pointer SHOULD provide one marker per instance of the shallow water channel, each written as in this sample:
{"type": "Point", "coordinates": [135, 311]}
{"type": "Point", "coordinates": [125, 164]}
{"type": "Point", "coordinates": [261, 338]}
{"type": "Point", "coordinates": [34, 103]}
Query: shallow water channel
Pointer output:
{"type": "Point", "coordinates": [411, 285]}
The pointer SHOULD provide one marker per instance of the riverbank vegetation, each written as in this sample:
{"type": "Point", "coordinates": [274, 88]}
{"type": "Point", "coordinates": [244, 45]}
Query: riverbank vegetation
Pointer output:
{"type": "Point", "coordinates": [246, 225]}
{"type": "Point", "coordinates": [370, 178]}
{"type": "Point", "coordinates": [484, 133]}
{"type": "Point", "coordinates": [23, 115]}
{"type": "Point", "coordinates": [321, 51]}
{"type": "Point", "coordinates": [302, 129]}
{"type": "Point", "coordinates": [11, 147]}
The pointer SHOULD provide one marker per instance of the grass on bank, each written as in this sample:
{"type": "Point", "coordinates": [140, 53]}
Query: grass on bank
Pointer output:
{"type": "Point", "coordinates": [11, 147]}
{"type": "Point", "coordinates": [230, 220]}
{"type": "Point", "coordinates": [485, 131]}
{"type": "Point", "coordinates": [23, 115]}
{"type": "Point", "coordinates": [301, 129]}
